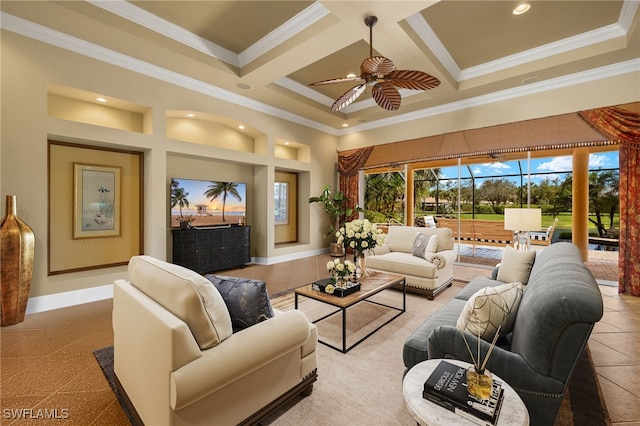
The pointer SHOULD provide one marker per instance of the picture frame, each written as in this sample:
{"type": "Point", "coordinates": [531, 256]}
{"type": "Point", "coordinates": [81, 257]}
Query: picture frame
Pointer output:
{"type": "Point", "coordinates": [97, 200]}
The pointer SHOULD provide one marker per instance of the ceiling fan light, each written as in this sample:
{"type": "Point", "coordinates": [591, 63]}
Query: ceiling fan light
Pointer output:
{"type": "Point", "coordinates": [521, 8]}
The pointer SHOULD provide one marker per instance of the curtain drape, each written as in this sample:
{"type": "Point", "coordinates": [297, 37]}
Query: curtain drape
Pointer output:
{"type": "Point", "coordinates": [349, 164]}
{"type": "Point", "coordinates": [624, 126]}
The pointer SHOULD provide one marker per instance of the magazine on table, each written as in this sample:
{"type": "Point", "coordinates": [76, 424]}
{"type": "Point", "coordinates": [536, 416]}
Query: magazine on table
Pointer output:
{"type": "Point", "coordinates": [447, 387]}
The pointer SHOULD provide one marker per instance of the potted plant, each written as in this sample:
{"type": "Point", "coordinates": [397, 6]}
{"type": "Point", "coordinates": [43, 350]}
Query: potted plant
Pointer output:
{"type": "Point", "coordinates": [335, 206]}
{"type": "Point", "coordinates": [185, 221]}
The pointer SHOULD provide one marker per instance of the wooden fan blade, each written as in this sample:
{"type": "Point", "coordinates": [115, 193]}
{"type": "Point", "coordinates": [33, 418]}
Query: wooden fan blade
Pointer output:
{"type": "Point", "coordinates": [386, 96]}
{"type": "Point", "coordinates": [348, 97]}
{"type": "Point", "coordinates": [377, 65]}
{"type": "Point", "coordinates": [335, 80]}
{"type": "Point", "coordinates": [409, 79]}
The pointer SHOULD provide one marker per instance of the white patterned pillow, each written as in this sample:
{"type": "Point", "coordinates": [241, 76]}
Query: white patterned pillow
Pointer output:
{"type": "Point", "coordinates": [420, 243]}
{"type": "Point", "coordinates": [489, 308]}
{"type": "Point", "coordinates": [424, 245]}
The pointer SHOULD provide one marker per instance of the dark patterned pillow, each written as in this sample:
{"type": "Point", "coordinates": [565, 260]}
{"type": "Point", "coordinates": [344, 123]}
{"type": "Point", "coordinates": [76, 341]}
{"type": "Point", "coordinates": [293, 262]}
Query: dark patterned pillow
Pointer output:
{"type": "Point", "coordinates": [247, 300]}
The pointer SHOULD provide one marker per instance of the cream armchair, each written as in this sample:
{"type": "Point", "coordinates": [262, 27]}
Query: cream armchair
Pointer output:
{"type": "Point", "coordinates": [428, 275]}
{"type": "Point", "coordinates": [177, 361]}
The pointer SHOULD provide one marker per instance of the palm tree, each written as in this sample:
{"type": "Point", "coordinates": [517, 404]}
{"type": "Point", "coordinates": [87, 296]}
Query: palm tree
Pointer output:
{"type": "Point", "coordinates": [604, 199]}
{"type": "Point", "coordinates": [222, 188]}
{"type": "Point", "coordinates": [178, 196]}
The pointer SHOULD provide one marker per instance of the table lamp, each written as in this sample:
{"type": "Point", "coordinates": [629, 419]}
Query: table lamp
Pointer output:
{"type": "Point", "coordinates": [522, 221]}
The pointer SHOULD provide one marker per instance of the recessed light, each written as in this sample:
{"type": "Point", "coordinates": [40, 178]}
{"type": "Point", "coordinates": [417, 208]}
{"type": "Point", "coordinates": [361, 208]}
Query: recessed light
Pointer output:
{"type": "Point", "coordinates": [244, 86]}
{"type": "Point", "coordinates": [352, 75]}
{"type": "Point", "coordinates": [101, 100]}
{"type": "Point", "coordinates": [521, 8]}
{"type": "Point", "coordinates": [345, 125]}
{"type": "Point", "coordinates": [530, 80]}
{"type": "Point", "coordinates": [241, 127]}
{"type": "Point", "coordinates": [286, 143]}
{"type": "Point", "coordinates": [191, 115]}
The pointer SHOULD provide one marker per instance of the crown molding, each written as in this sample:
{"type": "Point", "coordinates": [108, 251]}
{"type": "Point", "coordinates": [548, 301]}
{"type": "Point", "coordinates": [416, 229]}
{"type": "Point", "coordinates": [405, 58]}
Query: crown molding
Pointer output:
{"type": "Point", "coordinates": [627, 67]}
{"type": "Point", "coordinates": [52, 37]}
{"type": "Point", "coordinates": [609, 32]}
{"type": "Point", "coordinates": [47, 35]}
{"type": "Point", "coordinates": [293, 26]}
{"type": "Point", "coordinates": [284, 32]}
{"type": "Point", "coordinates": [133, 13]}
{"type": "Point", "coordinates": [431, 40]}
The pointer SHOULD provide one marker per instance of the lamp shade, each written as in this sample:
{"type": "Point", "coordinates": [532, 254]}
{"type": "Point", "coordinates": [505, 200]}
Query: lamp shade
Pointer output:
{"type": "Point", "coordinates": [522, 219]}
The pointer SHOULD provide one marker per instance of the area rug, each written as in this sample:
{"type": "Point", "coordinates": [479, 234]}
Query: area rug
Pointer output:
{"type": "Point", "coordinates": [364, 386]}
{"type": "Point", "coordinates": [104, 357]}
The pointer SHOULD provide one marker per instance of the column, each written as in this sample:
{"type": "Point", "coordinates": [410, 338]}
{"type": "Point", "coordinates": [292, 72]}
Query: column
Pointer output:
{"type": "Point", "coordinates": [580, 201]}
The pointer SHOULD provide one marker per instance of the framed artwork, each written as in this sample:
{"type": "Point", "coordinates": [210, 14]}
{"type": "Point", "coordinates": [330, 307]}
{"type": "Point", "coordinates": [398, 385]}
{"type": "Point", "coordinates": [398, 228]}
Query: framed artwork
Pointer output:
{"type": "Point", "coordinates": [96, 203]}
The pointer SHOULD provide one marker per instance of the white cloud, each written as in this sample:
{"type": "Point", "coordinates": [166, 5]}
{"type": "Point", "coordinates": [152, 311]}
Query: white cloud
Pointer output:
{"type": "Point", "coordinates": [497, 165]}
{"type": "Point", "coordinates": [599, 161]}
{"type": "Point", "coordinates": [476, 171]}
{"type": "Point", "coordinates": [557, 164]}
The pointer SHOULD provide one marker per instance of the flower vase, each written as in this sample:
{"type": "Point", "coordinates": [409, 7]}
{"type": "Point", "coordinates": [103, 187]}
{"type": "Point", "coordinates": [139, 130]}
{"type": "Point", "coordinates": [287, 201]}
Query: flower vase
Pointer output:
{"type": "Point", "coordinates": [16, 264]}
{"type": "Point", "coordinates": [361, 270]}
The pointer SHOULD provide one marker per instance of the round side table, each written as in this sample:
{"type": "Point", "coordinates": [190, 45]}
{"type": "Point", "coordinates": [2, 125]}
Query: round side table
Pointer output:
{"type": "Point", "coordinates": [427, 413]}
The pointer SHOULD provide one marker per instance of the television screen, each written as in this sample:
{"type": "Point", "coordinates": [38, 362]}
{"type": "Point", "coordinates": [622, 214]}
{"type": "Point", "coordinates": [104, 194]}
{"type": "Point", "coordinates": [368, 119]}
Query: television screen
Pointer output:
{"type": "Point", "coordinates": [208, 203]}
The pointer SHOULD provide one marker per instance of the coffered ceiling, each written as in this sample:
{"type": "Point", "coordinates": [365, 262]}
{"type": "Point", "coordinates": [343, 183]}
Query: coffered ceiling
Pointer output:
{"type": "Point", "coordinates": [264, 54]}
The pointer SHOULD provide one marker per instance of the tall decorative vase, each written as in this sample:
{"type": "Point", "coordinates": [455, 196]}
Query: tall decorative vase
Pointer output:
{"type": "Point", "coordinates": [17, 249]}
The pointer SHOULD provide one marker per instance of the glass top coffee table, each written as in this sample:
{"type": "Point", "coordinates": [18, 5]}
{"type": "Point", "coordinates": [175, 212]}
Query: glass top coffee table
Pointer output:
{"type": "Point", "coordinates": [370, 285]}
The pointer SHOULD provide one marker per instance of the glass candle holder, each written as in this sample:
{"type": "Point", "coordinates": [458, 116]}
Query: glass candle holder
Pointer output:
{"type": "Point", "coordinates": [479, 383]}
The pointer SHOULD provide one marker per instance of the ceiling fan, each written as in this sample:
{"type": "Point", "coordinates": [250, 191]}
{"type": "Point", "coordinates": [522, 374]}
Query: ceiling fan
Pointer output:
{"type": "Point", "coordinates": [380, 73]}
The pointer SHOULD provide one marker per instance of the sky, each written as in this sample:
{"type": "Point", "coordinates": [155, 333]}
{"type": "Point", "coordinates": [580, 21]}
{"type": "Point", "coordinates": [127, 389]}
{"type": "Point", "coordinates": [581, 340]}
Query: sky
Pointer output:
{"type": "Point", "coordinates": [196, 189]}
{"type": "Point", "coordinates": [551, 167]}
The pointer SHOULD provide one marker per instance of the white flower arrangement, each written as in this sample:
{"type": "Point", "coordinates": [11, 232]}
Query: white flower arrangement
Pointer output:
{"type": "Point", "coordinates": [360, 235]}
{"type": "Point", "coordinates": [340, 271]}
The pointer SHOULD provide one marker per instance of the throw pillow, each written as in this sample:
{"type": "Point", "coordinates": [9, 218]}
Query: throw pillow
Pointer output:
{"type": "Point", "coordinates": [247, 300]}
{"type": "Point", "coordinates": [489, 308]}
{"type": "Point", "coordinates": [432, 245]}
{"type": "Point", "coordinates": [516, 265]}
{"type": "Point", "coordinates": [420, 245]}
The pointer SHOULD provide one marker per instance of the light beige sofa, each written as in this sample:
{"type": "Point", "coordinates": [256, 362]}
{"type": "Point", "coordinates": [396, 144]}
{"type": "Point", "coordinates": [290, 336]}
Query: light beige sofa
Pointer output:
{"type": "Point", "coordinates": [177, 361]}
{"type": "Point", "coordinates": [429, 275]}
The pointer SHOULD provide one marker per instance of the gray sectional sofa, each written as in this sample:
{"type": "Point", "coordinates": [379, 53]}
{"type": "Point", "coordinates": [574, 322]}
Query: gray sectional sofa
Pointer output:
{"type": "Point", "coordinates": [559, 307]}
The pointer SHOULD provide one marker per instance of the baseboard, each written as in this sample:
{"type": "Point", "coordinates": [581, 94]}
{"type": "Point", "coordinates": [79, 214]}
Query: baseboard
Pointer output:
{"type": "Point", "coordinates": [288, 257]}
{"type": "Point", "coordinates": [68, 298]}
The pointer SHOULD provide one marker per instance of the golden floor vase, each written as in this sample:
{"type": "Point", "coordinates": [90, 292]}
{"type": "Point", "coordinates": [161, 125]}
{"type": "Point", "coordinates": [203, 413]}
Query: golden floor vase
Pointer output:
{"type": "Point", "coordinates": [17, 249]}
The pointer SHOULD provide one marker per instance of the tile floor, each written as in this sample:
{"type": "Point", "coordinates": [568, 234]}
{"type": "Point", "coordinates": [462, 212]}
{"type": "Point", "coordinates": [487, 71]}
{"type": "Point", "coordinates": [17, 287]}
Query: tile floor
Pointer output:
{"type": "Point", "coordinates": [47, 368]}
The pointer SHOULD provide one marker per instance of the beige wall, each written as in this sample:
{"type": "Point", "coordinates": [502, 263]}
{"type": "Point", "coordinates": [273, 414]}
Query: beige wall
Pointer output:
{"type": "Point", "coordinates": [29, 68]}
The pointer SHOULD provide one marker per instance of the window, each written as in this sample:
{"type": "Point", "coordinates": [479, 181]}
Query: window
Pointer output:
{"type": "Point", "coordinates": [281, 202]}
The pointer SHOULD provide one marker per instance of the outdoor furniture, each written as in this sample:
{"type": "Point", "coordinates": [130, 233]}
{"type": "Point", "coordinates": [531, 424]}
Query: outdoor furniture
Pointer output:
{"type": "Point", "coordinates": [543, 238]}
{"type": "Point", "coordinates": [478, 232]}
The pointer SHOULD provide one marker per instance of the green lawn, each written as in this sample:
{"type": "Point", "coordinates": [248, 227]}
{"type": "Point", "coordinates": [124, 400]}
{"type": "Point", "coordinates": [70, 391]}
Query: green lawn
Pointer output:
{"type": "Point", "coordinates": [564, 219]}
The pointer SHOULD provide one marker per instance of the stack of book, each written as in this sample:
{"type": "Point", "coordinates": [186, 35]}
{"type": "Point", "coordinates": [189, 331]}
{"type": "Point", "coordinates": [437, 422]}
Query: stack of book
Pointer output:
{"type": "Point", "coordinates": [447, 387]}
